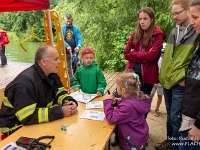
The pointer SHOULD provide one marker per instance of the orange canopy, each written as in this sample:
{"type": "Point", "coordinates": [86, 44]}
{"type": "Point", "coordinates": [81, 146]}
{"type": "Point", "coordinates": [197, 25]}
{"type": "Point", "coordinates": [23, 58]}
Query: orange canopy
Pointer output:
{"type": "Point", "coordinates": [23, 5]}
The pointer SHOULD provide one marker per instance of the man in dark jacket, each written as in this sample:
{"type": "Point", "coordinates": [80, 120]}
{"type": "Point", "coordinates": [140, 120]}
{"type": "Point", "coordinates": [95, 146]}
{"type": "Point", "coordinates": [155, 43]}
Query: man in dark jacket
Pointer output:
{"type": "Point", "coordinates": [31, 96]}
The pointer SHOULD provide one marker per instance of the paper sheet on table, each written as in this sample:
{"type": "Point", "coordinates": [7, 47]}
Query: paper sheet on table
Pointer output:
{"type": "Point", "coordinates": [12, 146]}
{"type": "Point", "coordinates": [83, 97]}
{"type": "Point", "coordinates": [97, 104]}
{"type": "Point", "coordinates": [93, 115]}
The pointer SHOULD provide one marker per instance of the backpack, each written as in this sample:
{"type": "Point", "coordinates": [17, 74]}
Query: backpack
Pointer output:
{"type": "Point", "coordinates": [4, 37]}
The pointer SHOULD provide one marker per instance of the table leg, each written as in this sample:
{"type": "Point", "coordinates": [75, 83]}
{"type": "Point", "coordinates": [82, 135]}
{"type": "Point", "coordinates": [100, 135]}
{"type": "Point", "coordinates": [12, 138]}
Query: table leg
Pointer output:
{"type": "Point", "coordinates": [109, 144]}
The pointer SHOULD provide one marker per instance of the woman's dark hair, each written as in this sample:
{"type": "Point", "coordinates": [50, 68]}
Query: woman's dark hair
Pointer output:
{"type": "Point", "coordinates": [145, 36]}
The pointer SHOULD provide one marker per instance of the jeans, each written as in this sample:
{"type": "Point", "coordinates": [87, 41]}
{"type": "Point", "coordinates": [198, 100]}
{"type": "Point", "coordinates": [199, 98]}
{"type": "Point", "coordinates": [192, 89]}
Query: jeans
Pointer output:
{"type": "Point", "coordinates": [3, 56]}
{"type": "Point", "coordinates": [146, 88]}
{"type": "Point", "coordinates": [69, 67]}
{"type": "Point", "coordinates": [186, 143]}
{"type": "Point", "coordinates": [173, 100]}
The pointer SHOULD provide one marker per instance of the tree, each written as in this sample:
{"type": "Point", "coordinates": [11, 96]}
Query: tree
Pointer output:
{"type": "Point", "coordinates": [106, 25]}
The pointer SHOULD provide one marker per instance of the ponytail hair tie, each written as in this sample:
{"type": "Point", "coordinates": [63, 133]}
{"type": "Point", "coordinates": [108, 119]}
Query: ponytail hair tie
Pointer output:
{"type": "Point", "coordinates": [135, 76]}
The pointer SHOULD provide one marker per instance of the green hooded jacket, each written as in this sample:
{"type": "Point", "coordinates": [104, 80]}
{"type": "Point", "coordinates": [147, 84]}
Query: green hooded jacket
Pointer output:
{"type": "Point", "coordinates": [90, 79]}
{"type": "Point", "coordinates": [176, 58]}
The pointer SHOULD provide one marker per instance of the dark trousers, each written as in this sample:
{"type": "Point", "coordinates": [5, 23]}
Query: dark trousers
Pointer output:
{"type": "Point", "coordinates": [146, 88]}
{"type": "Point", "coordinates": [3, 56]}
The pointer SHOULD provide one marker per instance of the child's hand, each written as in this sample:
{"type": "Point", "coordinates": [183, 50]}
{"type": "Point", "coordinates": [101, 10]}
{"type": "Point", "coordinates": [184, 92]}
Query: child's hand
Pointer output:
{"type": "Point", "coordinates": [77, 90]}
{"type": "Point", "coordinates": [118, 99]}
{"type": "Point", "coordinates": [114, 102]}
{"type": "Point", "coordinates": [110, 96]}
{"type": "Point", "coordinates": [99, 94]}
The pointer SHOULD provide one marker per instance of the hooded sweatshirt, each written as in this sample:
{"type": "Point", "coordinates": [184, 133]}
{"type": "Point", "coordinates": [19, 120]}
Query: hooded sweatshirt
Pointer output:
{"type": "Point", "coordinates": [90, 79]}
{"type": "Point", "coordinates": [130, 119]}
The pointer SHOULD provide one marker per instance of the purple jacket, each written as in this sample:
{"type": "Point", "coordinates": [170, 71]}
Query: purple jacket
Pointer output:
{"type": "Point", "coordinates": [130, 119]}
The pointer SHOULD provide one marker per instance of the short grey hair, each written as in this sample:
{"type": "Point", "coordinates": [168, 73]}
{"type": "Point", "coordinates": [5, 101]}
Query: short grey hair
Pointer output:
{"type": "Point", "coordinates": [41, 53]}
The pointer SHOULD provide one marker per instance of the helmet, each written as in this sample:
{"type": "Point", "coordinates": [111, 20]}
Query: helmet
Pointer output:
{"type": "Point", "coordinates": [163, 48]}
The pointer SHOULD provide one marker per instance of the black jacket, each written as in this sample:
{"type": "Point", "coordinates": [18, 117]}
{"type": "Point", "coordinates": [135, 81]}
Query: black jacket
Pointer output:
{"type": "Point", "coordinates": [29, 98]}
{"type": "Point", "coordinates": [191, 99]}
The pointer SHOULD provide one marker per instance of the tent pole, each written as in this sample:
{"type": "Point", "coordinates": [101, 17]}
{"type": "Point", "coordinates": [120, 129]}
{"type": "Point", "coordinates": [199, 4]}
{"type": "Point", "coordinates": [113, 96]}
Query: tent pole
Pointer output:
{"type": "Point", "coordinates": [50, 27]}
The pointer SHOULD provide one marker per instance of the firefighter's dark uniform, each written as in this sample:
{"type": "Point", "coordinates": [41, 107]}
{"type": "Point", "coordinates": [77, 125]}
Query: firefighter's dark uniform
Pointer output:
{"type": "Point", "coordinates": [29, 99]}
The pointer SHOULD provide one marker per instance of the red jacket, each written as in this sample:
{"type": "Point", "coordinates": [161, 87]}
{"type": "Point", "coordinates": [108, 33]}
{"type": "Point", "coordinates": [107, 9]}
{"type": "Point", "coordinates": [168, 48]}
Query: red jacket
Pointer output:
{"type": "Point", "coordinates": [3, 38]}
{"type": "Point", "coordinates": [148, 59]}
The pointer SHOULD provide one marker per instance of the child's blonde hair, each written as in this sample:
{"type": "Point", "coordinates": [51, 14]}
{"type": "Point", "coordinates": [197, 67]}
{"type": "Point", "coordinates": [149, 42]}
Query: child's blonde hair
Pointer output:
{"type": "Point", "coordinates": [131, 82]}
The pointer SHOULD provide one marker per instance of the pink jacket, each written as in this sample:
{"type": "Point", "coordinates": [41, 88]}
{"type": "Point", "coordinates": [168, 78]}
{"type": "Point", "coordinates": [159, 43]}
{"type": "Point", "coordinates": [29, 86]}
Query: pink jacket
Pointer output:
{"type": "Point", "coordinates": [149, 58]}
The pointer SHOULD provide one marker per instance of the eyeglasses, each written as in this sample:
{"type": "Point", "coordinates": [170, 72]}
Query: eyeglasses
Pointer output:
{"type": "Point", "coordinates": [177, 13]}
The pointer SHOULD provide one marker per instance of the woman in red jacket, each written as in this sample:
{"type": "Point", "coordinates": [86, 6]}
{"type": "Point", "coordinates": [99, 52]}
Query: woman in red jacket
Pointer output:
{"type": "Point", "coordinates": [142, 52]}
{"type": "Point", "coordinates": [143, 49]}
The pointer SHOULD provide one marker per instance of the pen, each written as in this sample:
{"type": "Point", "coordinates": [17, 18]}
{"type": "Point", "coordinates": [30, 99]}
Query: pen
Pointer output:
{"type": "Point", "coordinates": [108, 92]}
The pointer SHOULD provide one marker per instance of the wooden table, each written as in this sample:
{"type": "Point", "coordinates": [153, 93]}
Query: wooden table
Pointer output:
{"type": "Point", "coordinates": [81, 134]}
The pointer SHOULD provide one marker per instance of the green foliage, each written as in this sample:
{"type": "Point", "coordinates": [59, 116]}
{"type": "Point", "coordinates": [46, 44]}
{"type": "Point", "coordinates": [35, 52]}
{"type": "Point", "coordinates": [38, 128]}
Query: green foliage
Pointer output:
{"type": "Point", "coordinates": [120, 38]}
{"type": "Point", "coordinates": [12, 36]}
{"type": "Point", "coordinates": [105, 25]}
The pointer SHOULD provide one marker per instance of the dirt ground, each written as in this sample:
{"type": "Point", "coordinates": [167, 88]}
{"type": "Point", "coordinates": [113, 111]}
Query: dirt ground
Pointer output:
{"type": "Point", "coordinates": [157, 126]}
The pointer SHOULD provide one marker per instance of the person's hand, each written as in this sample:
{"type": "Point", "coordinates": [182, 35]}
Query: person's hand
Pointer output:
{"type": "Point", "coordinates": [76, 49]}
{"type": "Point", "coordinates": [110, 96]}
{"type": "Point", "coordinates": [69, 108]}
{"type": "Point", "coordinates": [114, 99]}
{"type": "Point", "coordinates": [182, 83]}
{"type": "Point", "coordinates": [118, 99]}
{"type": "Point", "coordinates": [99, 94]}
{"type": "Point", "coordinates": [69, 49]}
{"type": "Point", "coordinates": [156, 85]}
{"type": "Point", "coordinates": [194, 134]}
{"type": "Point", "coordinates": [77, 89]}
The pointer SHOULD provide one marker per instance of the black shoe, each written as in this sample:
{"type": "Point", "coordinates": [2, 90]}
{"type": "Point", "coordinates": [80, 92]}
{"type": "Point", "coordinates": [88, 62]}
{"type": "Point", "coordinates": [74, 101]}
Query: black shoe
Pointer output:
{"type": "Point", "coordinates": [2, 65]}
{"type": "Point", "coordinates": [114, 142]}
{"type": "Point", "coordinates": [165, 145]}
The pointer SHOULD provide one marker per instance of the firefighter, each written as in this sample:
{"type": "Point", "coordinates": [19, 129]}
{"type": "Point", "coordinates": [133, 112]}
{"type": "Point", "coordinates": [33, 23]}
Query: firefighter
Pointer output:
{"type": "Point", "coordinates": [31, 97]}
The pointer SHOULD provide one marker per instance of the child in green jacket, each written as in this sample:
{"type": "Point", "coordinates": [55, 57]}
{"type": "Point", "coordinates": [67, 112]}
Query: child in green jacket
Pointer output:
{"type": "Point", "coordinates": [89, 77]}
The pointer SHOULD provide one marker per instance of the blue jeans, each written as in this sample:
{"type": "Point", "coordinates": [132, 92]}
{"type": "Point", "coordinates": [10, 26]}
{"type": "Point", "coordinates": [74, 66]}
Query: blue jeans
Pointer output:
{"type": "Point", "coordinates": [173, 100]}
{"type": "Point", "coordinates": [146, 88]}
{"type": "Point", "coordinates": [186, 143]}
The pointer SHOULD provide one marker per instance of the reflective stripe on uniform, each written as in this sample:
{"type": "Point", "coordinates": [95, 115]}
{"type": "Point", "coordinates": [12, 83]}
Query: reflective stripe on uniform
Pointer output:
{"type": "Point", "coordinates": [43, 115]}
{"type": "Point", "coordinates": [7, 103]}
{"type": "Point", "coordinates": [49, 105]}
{"type": "Point", "coordinates": [60, 90]}
{"type": "Point", "coordinates": [25, 112]}
{"type": "Point", "coordinates": [61, 97]}
{"type": "Point", "coordinates": [6, 130]}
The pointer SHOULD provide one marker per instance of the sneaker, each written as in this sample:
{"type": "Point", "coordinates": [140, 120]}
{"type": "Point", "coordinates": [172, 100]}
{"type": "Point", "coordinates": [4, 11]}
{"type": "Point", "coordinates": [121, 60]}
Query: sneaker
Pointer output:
{"type": "Point", "coordinates": [114, 142]}
{"type": "Point", "coordinates": [156, 113]}
{"type": "Point", "coordinates": [165, 145]}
